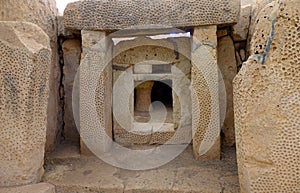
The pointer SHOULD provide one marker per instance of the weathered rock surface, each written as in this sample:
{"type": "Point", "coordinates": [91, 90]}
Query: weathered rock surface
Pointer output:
{"type": "Point", "coordinates": [112, 15]}
{"type": "Point", "coordinates": [266, 101]}
{"type": "Point", "coordinates": [32, 188]}
{"type": "Point", "coordinates": [205, 94]}
{"type": "Point", "coordinates": [72, 53]}
{"type": "Point", "coordinates": [183, 175]}
{"type": "Point", "coordinates": [240, 30]}
{"type": "Point", "coordinates": [42, 13]}
{"type": "Point", "coordinates": [61, 30]}
{"type": "Point", "coordinates": [257, 7]}
{"type": "Point", "coordinates": [24, 73]}
{"type": "Point", "coordinates": [228, 68]}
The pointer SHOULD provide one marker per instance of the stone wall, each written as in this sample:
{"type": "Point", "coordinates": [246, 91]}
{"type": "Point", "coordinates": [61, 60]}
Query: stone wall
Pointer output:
{"type": "Point", "coordinates": [266, 102]}
{"type": "Point", "coordinates": [24, 89]}
{"type": "Point", "coordinates": [42, 13]}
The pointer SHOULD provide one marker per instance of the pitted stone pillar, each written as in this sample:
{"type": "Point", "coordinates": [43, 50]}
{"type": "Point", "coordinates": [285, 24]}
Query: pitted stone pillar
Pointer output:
{"type": "Point", "coordinates": [24, 91]}
{"type": "Point", "coordinates": [95, 93]}
{"type": "Point", "coordinates": [205, 97]}
{"type": "Point", "coordinates": [143, 96]}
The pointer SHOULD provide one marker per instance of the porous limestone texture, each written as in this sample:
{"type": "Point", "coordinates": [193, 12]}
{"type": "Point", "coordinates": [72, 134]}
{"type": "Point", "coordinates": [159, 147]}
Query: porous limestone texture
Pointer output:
{"type": "Point", "coordinates": [121, 14]}
{"type": "Point", "coordinates": [61, 30]}
{"type": "Point", "coordinates": [228, 68]}
{"type": "Point", "coordinates": [142, 53]}
{"type": "Point", "coordinates": [257, 7]}
{"type": "Point", "coordinates": [205, 94]}
{"type": "Point", "coordinates": [71, 53]}
{"type": "Point", "coordinates": [95, 92]}
{"type": "Point", "coordinates": [24, 73]}
{"type": "Point", "coordinates": [32, 188]}
{"type": "Point", "coordinates": [266, 102]}
{"type": "Point", "coordinates": [42, 13]}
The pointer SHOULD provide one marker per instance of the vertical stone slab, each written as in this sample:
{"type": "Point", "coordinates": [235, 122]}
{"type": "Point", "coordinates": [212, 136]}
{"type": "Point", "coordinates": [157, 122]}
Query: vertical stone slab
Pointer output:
{"type": "Point", "coordinates": [72, 52]}
{"type": "Point", "coordinates": [228, 68]}
{"type": "Point", "coordinates": [24, 91]}
{"type": "Point", "coordinates": [95, 92]}
{"type": "Point", "coordinates": [205, 96]}
{"type": "Point", "coordinates": [267, 104]}
{"type": "Point", "coordinates": [181, 76]}
{"type": "Point", "coordinates": [42, 13]}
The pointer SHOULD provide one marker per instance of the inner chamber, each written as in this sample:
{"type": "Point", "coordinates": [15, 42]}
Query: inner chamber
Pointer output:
{"type": "Point", "coordinates": [150, 92]}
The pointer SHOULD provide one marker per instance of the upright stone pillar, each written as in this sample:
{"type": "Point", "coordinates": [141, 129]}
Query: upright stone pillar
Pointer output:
{"type": "Point", "coordinates": [95, 92]}
{"type": "Point", "coordinates": [205, 96]}
{"type": "Point", "coordinates": [143, 96]}
{"type": "Point", "coordinates": [24, 91]}
{"type": "Point", "coordinates": [267, 103]}
{"type": "Point", "coordinates": [72, 51]}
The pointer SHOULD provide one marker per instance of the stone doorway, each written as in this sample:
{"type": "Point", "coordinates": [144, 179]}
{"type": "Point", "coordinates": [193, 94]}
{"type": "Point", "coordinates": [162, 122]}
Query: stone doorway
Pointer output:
{"type": "Point", "coordinates": [157, 73]}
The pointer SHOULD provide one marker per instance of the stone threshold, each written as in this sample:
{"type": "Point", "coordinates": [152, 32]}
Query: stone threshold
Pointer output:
{"type": "Point", "coordinates": [71, 172]}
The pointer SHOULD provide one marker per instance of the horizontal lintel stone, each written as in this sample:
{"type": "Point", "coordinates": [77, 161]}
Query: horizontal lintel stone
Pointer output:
{"type": "Point", "coordinates": [123, 14]}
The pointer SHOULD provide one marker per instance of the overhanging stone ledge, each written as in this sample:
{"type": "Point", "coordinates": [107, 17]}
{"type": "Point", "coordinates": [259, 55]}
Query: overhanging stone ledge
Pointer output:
{"type": "Point", "coordinates": [121, 14]}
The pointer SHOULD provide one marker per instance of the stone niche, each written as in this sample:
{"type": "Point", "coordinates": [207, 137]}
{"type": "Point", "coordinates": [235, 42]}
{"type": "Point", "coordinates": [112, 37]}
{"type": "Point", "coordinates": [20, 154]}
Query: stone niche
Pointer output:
{"type": "Point", "coordinates": [132, 67]}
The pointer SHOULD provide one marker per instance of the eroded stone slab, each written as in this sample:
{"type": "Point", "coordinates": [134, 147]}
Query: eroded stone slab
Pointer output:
{"type": "Point", "coordinates": [24, 89]}
{"type": "Point", "coordinates": [114, 15]}
{"type": "Point", "coordinates": [266, 98]}
{"type": "Point", "coordinates": [42, 13]}
{"type": "Point", "coordinates": [228, 68]}
{"type": "Point", "coordinates": [205, 94]}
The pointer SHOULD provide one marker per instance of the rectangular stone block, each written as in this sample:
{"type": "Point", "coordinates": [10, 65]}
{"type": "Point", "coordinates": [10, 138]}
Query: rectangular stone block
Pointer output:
{"type": "Point", "coordinates": [205, 94]}
{"type": "Point", "coordinates": [114, 15]}
{"type": "Point", "coordinates": [143, 69]}
{"type": "Point", "coordinates": [96, 92]}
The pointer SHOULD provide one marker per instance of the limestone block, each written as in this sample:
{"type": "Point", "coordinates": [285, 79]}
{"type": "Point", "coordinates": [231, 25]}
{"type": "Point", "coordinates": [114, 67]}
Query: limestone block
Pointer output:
{"type": "Point", "coordinates": [61, 30]}
{"type": "Point", "coordinates": [114, 15]}
{"type": "Point", "coordinates": [240, 30]}
{"type": "Point", "coordinates": [262, 28]}
{"type": "Point", "coordinates": [228, 68]}
{"type": "Point", "coordinates": [222, 33]}
{"type": "Point", "coordinates": [71, 52]}
{"type": "Point", "coordinates": [259, 7]}
{"type": "Point", "coordinates": [32, 188]}
{"type": "Point", "coordinates": [95, 92]}
{"type": "Point", "coordinates": [267, 108]}
{"type": "Point", "coordinates": [143, 69]}
{"type": "Point", "coordinates": [205, 96]}
{"type": "Point", "coordinates": [24, 73]}
{"type": "Point", "coordinates": [42, 13]}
